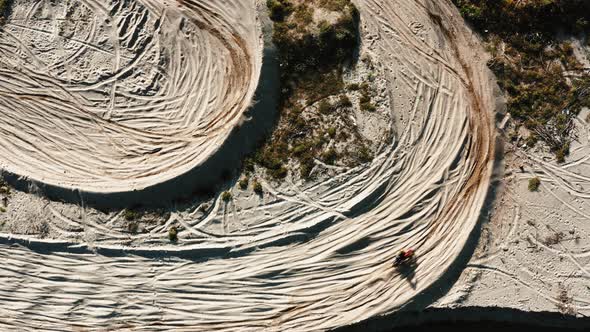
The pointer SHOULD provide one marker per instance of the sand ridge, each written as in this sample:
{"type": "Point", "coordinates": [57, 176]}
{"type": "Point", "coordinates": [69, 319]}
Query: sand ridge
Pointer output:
{"type": "Point", "coordinates": [117, 96]}
{"type": "Point", "coordinates": [308, 257]}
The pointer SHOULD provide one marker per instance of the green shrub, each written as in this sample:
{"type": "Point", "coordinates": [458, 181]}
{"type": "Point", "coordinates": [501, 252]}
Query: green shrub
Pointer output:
{"type": "Point", "coordinates": [248, 165]}
{"type": "Point", "coordinates": [531, 140]}
{"type": "Point", "coordinates": [560, 156]}
{"type": "Point", "coordinates": [344, 101]}
{"type": "Point", "coordinates": [312, 55]}
{"type": "Point", "coordinates": [279, 9]}
{"type": "Point", "coordinates": [257, 187]}
{"type": "Point", "coordinates": [529, 58]}
{"type": "Point", "coordinates": [363, 154]}
{"type": "Point", "coordinates": [331, 132]}
{"type": "Point", "coordinates": [353, 87]}
{"type": "Point", "coordinates": [303, 15]}
{"type": "Point", "coordinates": [329, 157]}
{"type": "Point", "coordinates": [325, 107]}
{"type": "Point", "coordinates": [5, 190]}
{"type": "Point", "coordinates": [173, 234]}
{"type": "Point", "coordinates": [204, 207]}
{"type": "Point", "coordinates": [226, 196]}
{"type": "Point", "coordinates": [243, 183]}
{"type": "Point", "coordinates": [273, 156]}
{"type": "Point", "coordinates": [368, 107]}
{"type": "Point", "coordinates": [306, 165]}
{"type": "Point", "coordinates": [279, 173]}
{"type": "Point", "coordinates": [131, 215]}
{"type": "Point", "coordinates": [534, 184]}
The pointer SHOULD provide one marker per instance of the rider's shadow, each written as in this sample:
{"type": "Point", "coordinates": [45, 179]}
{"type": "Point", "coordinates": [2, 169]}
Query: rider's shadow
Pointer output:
{"type": "Point", "coordinates": [408, 271]}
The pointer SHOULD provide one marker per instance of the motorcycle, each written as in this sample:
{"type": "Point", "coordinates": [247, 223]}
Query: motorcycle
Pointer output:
{"type": "Point", "coordinates": [404, 257]}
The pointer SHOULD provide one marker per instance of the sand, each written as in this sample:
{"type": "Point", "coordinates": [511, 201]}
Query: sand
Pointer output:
{"type": "Point", "coordinates": [534, 253]}
{"type": "Point", "coordinates": [115, 96]}
{"type": "Point", "coordinates": [305, 256]}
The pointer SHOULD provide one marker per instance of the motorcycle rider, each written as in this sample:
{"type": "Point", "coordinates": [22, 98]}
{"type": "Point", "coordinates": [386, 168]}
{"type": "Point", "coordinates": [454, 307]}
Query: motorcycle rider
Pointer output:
{"type": "Point", "coordinates": [404, 255]}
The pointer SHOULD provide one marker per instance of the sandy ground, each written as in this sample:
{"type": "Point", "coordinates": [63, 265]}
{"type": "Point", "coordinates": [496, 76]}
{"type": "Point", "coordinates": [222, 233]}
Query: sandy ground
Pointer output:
{"type": "Point", "coordinates": [109, 96]}
{"type": "Point", "coordinates": [302, 257]}
{"type": "Point", "coordinates": [534, 253]}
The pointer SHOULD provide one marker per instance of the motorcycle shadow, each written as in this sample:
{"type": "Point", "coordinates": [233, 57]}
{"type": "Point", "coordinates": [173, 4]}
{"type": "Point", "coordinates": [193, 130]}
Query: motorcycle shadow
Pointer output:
{"type": "Point", "coordinates": [408, 271]}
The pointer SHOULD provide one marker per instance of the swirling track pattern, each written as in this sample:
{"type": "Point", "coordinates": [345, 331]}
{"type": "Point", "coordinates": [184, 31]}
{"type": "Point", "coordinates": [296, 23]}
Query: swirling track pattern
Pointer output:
{"type": "Point", "coordinates": [107, 96]}
{"type": "Point", "coordinates": [425, 191]}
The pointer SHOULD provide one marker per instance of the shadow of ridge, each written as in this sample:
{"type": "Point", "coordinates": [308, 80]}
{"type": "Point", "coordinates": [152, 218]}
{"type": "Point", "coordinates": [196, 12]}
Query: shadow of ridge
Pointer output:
{"type": "Point", "coordinates": [243, 139]}
{"type": "Point", "coordinates": [470, 318]}
{"type": "Point", "coordinates": [48, 248]}
{"type": "Point", "coordinates": [196, 255]}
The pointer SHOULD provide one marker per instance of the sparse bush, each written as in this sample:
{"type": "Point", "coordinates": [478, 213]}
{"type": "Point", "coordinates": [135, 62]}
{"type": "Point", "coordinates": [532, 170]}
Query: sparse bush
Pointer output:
{"type": "Point", "coordinates": [273, 156]}
{"type": "Point", "coordinates": [363, 154]}
{"type": "Point", "coordinates": [313, 54]}
{"type": "Point", "coordinates": [353, 87]}
{"type": "Point", "coordinates": [204, 208]}
{"type": "Point", "coordinates": [2, 209]}
{"type": "Point", "coordinates": [226, 196]}
{"type": "Point", "coordinates": [529, 61]}
{"type": "Point", "coordinates": [325, 107]}
{"type": "Point", "coordinates": [531, 140]}
{"type": "Point", "coordinates": [560, 156]}
{"type": "Point", "coordinates": [131, 215]}
{"type": "Point", "coordinates": [4, 189]}
{"type": "Point", "coordinates": [248, 165]}
{"type": "Point", "coordinates": [279, 9]}
{"type": "Point", "coordinates": [257, 187]}
{"type": "Point", "coordinates": [564, 302]}
{"type": "Point", "coordinates": [364, 99]}
{"type": "Point", "coordinates": [368, 107]}
{"type": "Point", "coordinates": [344, 101]}
{"type": "Point", "coordinates": [365, 88]}
{"type": "Point", "coordinates": [513, 136]}
{"type": "Point", "coordinates": [243, 183]}
{"type": "Point", "coordinates": [279, 173]}
{"type": "Point", "coordinates": [534, 184]}
{"type": "Point", "coordinates": [553, 239]}
{"type": "Point", "coordinates": [306, 165]}
{"type": "Point", "coordinates": [329, 157]}
{"type": "Point", "coordinates": [173, 234]}
{"type": "Point", "coordinates": [331, 132]}
{"type": "Point", "coordinates": [303, 14]}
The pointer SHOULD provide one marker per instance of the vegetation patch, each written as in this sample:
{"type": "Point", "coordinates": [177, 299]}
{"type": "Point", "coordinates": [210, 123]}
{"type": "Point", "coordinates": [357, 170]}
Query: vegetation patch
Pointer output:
{"type": "Point", "coordinates": [534, 184]}
{"type": "Point", "coordinates": [316, 39]}
{"type": "Point", "coordinates": [545, 84]}
{"type": "Point", "coordinates": [553, 239]}
{"type": "Point", "coordinates": [257, 187]}
{"type": "Point", "coordinates": [226, 196]}
{"type": "Point", "coordinates": [243, 183]}
{"type": "Point", "coordinates": [131, 215]}
{"type": "Point", "coordinates": [173, 234]}
{"type": "Point", "coordinates": [565, 302]}
{"type": "Point", "coordinates": [5, 194]}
